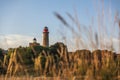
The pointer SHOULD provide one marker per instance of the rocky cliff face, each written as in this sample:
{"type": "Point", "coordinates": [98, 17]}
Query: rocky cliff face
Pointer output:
{"type": "Point", "coordinates": [57, 61]}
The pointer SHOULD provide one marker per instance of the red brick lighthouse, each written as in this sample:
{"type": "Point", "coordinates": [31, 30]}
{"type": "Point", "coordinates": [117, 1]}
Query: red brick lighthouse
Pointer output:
{"type": "Point", "coordinates": [45, 37]}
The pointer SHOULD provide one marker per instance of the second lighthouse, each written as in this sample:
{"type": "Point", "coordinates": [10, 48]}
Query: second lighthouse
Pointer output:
{"type": "Point", "coordinates": [45, 37]}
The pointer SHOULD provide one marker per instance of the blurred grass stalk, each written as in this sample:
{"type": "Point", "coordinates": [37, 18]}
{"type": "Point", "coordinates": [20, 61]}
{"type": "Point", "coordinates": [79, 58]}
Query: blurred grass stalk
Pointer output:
{"type": "Point", "coordinates": [86, 36]}
{"type": "Point", "coordinates": [119, 34]}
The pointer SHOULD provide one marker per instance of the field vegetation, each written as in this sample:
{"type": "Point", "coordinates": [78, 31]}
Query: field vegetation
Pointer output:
{"type": "Point", "coordinates": [99, 62]}
{"type": "Point", "coordinates": [56, 62]}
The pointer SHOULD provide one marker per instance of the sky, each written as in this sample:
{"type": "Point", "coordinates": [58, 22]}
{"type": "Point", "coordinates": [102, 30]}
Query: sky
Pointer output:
{"type": "Point", "coordinates": [22, 20]}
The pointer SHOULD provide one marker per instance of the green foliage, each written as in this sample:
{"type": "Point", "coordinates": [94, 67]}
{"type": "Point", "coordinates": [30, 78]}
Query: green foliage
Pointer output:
{"type": "Point", "coordinates": [10, 51]}
{"type": "Point", "coordinates": [1, 54]}
{"type": "Point", "coordinates": [26, 54]}
{"type": "Point", "coordinates": [43, 61]}
{"type": "Point", "coordinates": [38, 49]}
{"type": "Point", "coordinates": [106, 74]}
{"type": "Point", "coordinates": [0, 51]}
{"type": "Point", "coordinates": [82, 70]}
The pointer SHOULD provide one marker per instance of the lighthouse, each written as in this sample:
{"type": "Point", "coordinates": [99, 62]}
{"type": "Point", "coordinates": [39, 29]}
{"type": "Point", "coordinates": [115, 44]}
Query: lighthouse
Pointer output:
{"type": "Point", "coordinates": [45, 37]}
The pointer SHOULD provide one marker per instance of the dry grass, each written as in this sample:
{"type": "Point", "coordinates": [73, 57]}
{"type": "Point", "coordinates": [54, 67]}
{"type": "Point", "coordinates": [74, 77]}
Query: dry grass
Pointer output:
{"type": "Point", "coordinates": [44, 78]}
{"type": "Point", "coordinates": [99, 34]}
{"type": "Point", "coordinates": [81, 64]}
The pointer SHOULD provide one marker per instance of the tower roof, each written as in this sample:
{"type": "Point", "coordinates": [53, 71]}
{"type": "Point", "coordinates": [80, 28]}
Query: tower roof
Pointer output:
{"type": "Point", "coordinates": [34, 40]}
{"type": "Point", "coordinates": [45, 29]}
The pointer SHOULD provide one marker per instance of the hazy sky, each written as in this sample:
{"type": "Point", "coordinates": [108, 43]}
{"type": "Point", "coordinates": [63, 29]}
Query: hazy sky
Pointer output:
{"type": "Point", "coordinates": [28, 17]}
